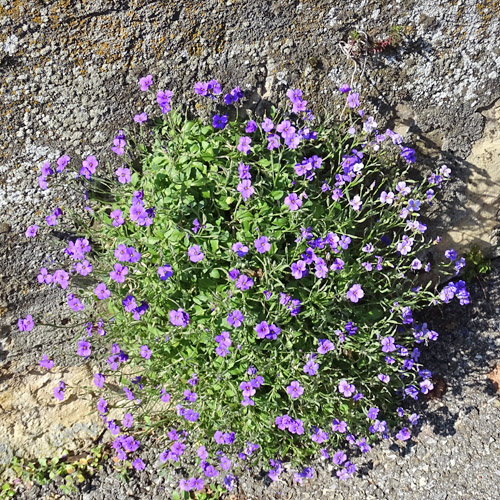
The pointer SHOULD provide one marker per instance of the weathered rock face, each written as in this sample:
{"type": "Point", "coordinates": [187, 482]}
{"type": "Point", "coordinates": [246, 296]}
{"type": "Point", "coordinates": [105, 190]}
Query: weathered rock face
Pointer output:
{"type": "Point", "coordinates": [33, 423]}
{"type": "Point", "coordinates": [480, 222]}
{"type": "Point", "coordinates": [69, 73]}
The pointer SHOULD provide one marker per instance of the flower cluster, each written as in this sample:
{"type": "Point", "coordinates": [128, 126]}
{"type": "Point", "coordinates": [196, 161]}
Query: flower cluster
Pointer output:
{"type": "Point", "coordinates": [252, 224]}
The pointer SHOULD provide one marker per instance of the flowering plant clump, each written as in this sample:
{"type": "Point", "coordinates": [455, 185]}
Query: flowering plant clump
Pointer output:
{"type": "Point", "coordinates": [253, 284]}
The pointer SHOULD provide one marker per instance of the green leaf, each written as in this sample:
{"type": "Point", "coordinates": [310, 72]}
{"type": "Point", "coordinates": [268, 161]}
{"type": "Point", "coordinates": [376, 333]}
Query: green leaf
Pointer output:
{"type": "Point", "coordinates": [277, 195]}
{"type": "Point", "coordinates": [215, 245]}
{"type": "Point", "coordinates": [214, 273]}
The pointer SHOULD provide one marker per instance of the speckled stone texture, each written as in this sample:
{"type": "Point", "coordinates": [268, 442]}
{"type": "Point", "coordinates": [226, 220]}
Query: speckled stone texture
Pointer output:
{"type": "Point", "coordinates": [68, 82]}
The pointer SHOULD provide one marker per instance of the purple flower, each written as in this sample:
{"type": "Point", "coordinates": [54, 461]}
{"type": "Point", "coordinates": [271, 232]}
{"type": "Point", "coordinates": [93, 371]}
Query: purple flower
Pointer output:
{"type": "Point", "coordinates": [346, 389]}
{"type": "Point", "coordinates": [388, 344]}
{"type": "Point", "coordinates": [404, 434]}
{"type": "Point", "coordinates": [165, 272]}
{"type": "Point", "coordinates": [233, 274]}
{"type": "Point", "coordinates": [244, 145]}
{"type": "Point", "coordinates": [51, 220]}
{"type": "Point", "coordinates": [46, 170]}
{"type": "Point", "coordinates": [128, 420]}
{"type": "Point", "coordinates": [123, 175]}
{"type": "Point", "coordinates": [163, 99]}
{"type": "Point", "coordinates": [99, 380]}
{"type": "Point", "coordinates": [119, 273]}
{"type": "Point", "coordinates": [262, 329]}
{"type": "Point", "coordinates": [195, 253]}
{"type": "Point", "coordinates": [61, 278]}
{"type": "Point", "coordinates": [243, 282]}
{"type": "Point", "coordinates": [179, 318]}
{"type": "Point", "coordinates": [355, 293]}
{"type": "Point", "coordinates": [344, 88]}
{"type": "Point", "coordinates": [409, 155]}
{"type": "Point", "coordinates": [311, 367]}
{"type": "Point", "coordinates": [201, 88]}
{"type": "Point", "coordinates": [74, 303]}
{"type": "Point", "coordinates": [240, 249]}
{"type": "Point", "coordinates": [140, 118]}
{"type": "Point", "coordinates": [83, 268]}
{"type": "Point", "coordinates": [262, 244]}
{"type": "Point", "coordinates": [295, 95]}
{"type": "Point", "coordinates": [426, 386]}
{"type": "Point", "coordinates": [384, 378]}
{"type": "Point", "coordinates": [356, 203]}
{"type": "Point", "coordinates": [293, 202]}
{"type": "Point", "coordinates": [353, 100]}
{"type": "Point", "coordinates": [267, 125]}
{"type": "Point", "coordinates": [129, 303]}
{"type": "Point", "coordinates": [119, 143]}
{"type": "Point", "coordinates": [31, 231]}
{"type": "Point", "coordinates": [165, 396]}
{"type": "Point", "coordinates": [246, 189]}
{"type": "Point", "coordinates": [251, 127]}
{"type": "Point", "coordinates": [219, 121]}
{"type": "Point", "coordinates": [46, 362]}
{"type": "Point", "coordinates": [450, 254]}
{"type": "Point", "coordinates": [42, 182]}
{"type": "Point", "coordinates": [235, 318]}
{"type": "Point", "coordinates": [339, 458]}
{"type": "Point", "coordinates": [89, 166]}
{"type": "Point", "coordinates": [145, 352]}
{"type": "Point", "coordinates": [138, 464]}
{"type": "Point", "coordinates": [244, 171]}
{"type": "Point", "coordinates": [44, 276]}
{"type": "Point", "coordinates": [121, 253]}
{"type": "Point", "coordinates": [59, 391]}
{"type": "Point", "coordinates": [324, 346]}
{"type": "Point", "coordinates": [372, 413]}
{"type": "Point", "coordinates": [295, 390]}
{"type": "Point", "coordinates": [62, 162]}
{"type": "Point", "coordinates": [145, 82]}
{"type": "Point", "coordinates": [273, 141]}
{"type": "Point", "coordinates": [189, 396]}
{"type": "Point", "coordinates": [133, 255]}
{"type": "Point", "coordinates": [339, 425]}
{"type": "Point", "coordinates": [233, 96]}
{"type": "Point", "coordinates": [26, 324]}
{"type": "Point", "coordinates": [299, 269]}
{"type": "Point", "coordinates": [102, 406]}
{"type": "Point", "coordinates": [117, 216]}
{"type": "Point", "coordinates": [84, 348]}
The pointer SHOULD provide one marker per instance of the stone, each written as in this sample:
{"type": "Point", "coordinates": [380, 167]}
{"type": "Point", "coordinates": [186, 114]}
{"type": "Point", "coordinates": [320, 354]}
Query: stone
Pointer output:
{"type": "Point", "coordinates": [482, 206]}
{"type": "Point", "coordinates": [33, 423]}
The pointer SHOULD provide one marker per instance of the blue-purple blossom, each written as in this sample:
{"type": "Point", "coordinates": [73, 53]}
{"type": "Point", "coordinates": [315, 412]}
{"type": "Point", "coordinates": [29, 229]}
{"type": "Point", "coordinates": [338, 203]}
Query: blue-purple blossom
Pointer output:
{"type": "Point", "coordinates": [346, 389]}
{"type": "Point", "coordinates": [25, 324]}
{"type": "Point", "coordinates": [195, 254]}
{"type": "Point", "coordinates": [355, 293]}
{"type": "Point", "coordinates": [179, 318]}
{"type": "Point", "coordinates": [293, 202]}
{"type": "Point", "coordinates": [262, 244]}
{"type": "Point", "coordinates": [240, 249]}
{"type": "Point", "coordinates": [165, 272]}
{"type": "Point", "coordinates": [244, 145]}
{"type": "Point", "coordinates": [294, 390]}
{"type": "Point", "coordinates": [235, 318]}
{"type": "Point", "coordinates": [219, 121]}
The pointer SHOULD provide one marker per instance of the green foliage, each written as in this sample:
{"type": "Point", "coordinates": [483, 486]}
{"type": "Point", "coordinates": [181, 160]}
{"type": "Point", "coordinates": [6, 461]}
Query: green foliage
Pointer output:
{"type": "Point", "coordinates": [477, 263]}
{"type": "Point", "coordinates": [189, 170]}
{"type": "Point", "coordinates": [64, 469]}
